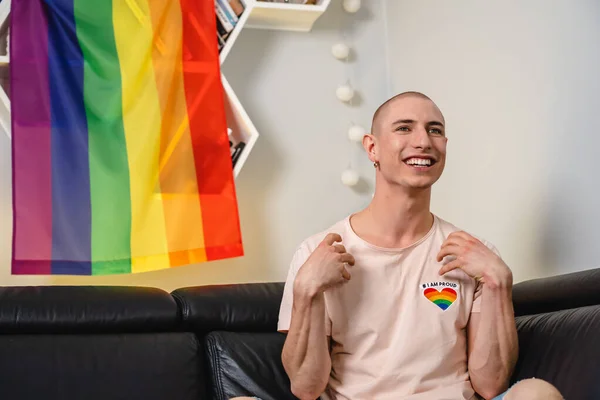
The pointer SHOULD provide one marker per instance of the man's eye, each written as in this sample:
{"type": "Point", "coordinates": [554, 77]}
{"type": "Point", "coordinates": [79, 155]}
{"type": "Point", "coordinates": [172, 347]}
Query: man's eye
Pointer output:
{"type": "Point", "coordinates": [403, 128]}
{"type": "Point", "coordinates": [435, 131]}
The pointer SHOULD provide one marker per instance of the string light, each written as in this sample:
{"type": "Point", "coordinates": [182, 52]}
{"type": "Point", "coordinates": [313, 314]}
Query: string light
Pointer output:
{"type": "Point", "coordinates": [350, 177]}
{"type": "Point", "coordinates": [351, 6]}
{"type": "Point", "coordinates": [341, 51]}
{"type": "Point", "coordinates": [345, 93]}
{"type": "Point", "coordinates": [356, 133]}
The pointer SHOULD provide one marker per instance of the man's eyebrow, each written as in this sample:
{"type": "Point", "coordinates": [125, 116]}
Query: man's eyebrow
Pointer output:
{"type": "Point", "coordinates": [403, 121]}
{"type": "Point", "coordinates": [435, 123]}
{"type": "Point", "coordinates": [412, 121]}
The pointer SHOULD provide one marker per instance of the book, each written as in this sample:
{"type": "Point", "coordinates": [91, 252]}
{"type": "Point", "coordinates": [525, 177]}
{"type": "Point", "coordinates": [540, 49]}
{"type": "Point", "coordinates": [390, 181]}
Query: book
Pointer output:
{"type": "Point", "coordinates": [227, 16]}
{"type": "Point", "coordinates": [221, 31]}
{"type": "Point", "coordinates": [235, 156]}
{"type": "Point", "coordinates": [228, 11]}
{"type": "Point", "coordinates": [222, 18]}
{"type": "Point", "coordinates": [238, 6]}
{"type": "Point", "coordinates": [235, 147]}
{"type": "Point", "coordinates": [221, 41]}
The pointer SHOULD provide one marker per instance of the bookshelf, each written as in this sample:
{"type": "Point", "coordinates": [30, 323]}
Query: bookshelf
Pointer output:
{"type": "Point", "coordinates": [232, 16]}
{"type": "Point", "coordinates": [242, 129]}
{"type": "Point", "coordinates": [243, 18]}
{"type": "Point", "coordinates": [284, 16]}
{"type": "Point", "coordinates": [257, 14]}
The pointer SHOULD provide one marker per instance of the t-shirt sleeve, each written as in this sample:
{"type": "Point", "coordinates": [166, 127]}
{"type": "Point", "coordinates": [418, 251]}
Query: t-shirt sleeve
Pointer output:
{"type": "Point", "coordinates": [477, 296]}
{"type": "Point", "coordinates": [285, 311]}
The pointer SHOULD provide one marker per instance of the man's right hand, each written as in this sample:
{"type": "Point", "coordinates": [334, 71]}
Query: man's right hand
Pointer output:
{"type": "Point", "coordinates": [325, 267]}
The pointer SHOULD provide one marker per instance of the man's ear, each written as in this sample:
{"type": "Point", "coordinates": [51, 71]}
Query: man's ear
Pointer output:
{"type": "Point", "coordinates": [369, 144]}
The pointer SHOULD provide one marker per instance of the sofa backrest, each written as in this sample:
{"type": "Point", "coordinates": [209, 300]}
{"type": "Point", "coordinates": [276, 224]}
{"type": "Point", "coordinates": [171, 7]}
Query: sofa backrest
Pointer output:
{"type": "Point", "coordinates": [96, 343]}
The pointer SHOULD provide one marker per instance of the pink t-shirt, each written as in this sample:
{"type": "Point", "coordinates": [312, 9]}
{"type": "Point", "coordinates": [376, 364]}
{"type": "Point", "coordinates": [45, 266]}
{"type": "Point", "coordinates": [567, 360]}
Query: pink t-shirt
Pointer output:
{"type": "Point", "coordinates": [398, 328]}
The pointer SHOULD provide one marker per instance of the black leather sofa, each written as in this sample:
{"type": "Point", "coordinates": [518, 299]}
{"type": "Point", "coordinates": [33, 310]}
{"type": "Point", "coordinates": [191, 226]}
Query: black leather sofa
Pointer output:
{"type": "Point", "coordinates": [217, 342]}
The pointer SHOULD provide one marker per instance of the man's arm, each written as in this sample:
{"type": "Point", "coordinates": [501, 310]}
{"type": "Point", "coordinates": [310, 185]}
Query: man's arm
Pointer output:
{"type": "Point", "coordinates": [305, 356]}
{"type": "Point", "coordinates": [493, 341]}
{"type": "Point", "coordinates": [492, 333]}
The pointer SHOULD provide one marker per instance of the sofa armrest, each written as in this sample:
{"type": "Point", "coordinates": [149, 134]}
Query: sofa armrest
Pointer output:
{"type": "Point", "coordinates": [250, 307]}
{"type": "Point", "coordinates": [247, 364]}
{"type": "Point", "coordinates": [561, 292]}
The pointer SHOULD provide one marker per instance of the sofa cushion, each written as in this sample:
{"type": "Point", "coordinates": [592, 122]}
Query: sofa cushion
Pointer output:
{"type": "Point", "coordinates": [562, 347]}
{"type": "Point", "coordinates": [247, 364]}
{"type": "Point", "coordinates": [145, 366]}
{"type": "Point", "coordinates": [251, 307]}
{"type": "Point", "coordinates": [80, 309]}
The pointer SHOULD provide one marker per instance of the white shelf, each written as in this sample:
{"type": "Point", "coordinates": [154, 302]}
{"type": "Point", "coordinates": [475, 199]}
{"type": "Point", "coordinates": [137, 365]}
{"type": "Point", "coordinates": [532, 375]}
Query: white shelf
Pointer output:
{"type": "Point", "coordinates": [239, 122]}
{"type": "Point", "coordinates": [4, 112]}
{"type": "Point", "coordinates": [284, 16]}
{"type": "Point", "coordinates": [4, 10]}
{"type": "Point", "coordinates": [237, 119]}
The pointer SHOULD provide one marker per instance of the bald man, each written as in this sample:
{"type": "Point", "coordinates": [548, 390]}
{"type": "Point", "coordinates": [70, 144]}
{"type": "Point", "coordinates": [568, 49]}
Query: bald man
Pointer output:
{"type": "Point", "coordinates": [393, 302]}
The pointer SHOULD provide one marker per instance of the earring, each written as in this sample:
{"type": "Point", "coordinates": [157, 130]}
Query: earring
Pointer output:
{"type": "Point", "coordinates": [376, 164]}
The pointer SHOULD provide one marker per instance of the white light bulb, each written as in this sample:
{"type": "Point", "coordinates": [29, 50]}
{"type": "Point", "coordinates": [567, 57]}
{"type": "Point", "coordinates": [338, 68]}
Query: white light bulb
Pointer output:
{"type": "Point", "coordinates": [356, 133]}
{"type": "Point", "coordinates": [344, 93]}
{"type": "Point", "coordinates": [350, 177]}
{"type": "Point", "coordinates": [340, 51]}
{"type": "Point", "coordinates": [351, 6]}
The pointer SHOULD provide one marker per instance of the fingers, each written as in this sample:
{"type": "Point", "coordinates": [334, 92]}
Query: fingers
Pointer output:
{"type": "Point", "coordinates": [450, 266]}
{"type": "Point", "coordinates": [453, 239]}
{"type": "Point", "coordinates": [331, 238]}
{"type": "Point", "coordinates": [342, 256]}
{"type": "Point", "coordinates": [463, 235]}
{"type": "Point", "coordinates": [338, 248]}
{"type": "Point", "coordinates": [345, 274]}
{"type": "Point", "coordinates": [448, 249]}
{"type": "Point", "coordinates": [462, 238]}
{"type": "Point", "coordinates": [347, 258]}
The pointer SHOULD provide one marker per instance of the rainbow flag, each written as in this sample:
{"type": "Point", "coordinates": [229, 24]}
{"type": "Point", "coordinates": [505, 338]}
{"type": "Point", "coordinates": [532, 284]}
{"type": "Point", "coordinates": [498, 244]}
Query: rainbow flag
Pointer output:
{"type": "Point", "coordinates": [121, 160]}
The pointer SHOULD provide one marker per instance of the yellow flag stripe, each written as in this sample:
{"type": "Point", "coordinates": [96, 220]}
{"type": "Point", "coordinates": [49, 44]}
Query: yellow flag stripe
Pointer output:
{"type": "Point", "coordinates": [142, 125]}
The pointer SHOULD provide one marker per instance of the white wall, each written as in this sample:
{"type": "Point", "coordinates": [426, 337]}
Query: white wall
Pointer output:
{"type": "Point", "coordinates": [290, 186]}
{"type": "Point", "coordinates": [518, 83]}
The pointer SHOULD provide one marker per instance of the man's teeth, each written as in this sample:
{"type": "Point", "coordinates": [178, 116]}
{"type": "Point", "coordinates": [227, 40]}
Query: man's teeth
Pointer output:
{"type": "Point", "coordinates": [419, 161]}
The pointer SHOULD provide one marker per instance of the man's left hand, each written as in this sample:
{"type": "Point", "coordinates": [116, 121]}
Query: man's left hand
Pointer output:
{"type": "Point", "coordinates": [473, 257]}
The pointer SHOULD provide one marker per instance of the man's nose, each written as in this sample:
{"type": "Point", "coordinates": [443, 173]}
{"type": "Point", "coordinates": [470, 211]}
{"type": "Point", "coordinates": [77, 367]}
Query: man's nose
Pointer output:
{"type": "Point", "coordinates": [420, 139]}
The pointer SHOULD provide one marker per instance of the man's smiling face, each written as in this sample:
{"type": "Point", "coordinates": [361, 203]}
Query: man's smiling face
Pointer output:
{"type": "Point", "coordinates": [409, 141]}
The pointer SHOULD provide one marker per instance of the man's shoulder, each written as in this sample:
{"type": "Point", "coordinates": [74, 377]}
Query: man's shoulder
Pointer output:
{"type": "Point", "coordinates": [311, 242]}
{"type": "Point", "coordinates": [446, 228]}
{"type": "Point", "coordinates": [308, 245]}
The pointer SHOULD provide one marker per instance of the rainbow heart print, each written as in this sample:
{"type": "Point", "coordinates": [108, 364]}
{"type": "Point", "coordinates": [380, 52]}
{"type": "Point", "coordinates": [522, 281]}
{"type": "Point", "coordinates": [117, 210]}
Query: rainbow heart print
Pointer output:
{"type": "Point", "coordinates": [443, 299]}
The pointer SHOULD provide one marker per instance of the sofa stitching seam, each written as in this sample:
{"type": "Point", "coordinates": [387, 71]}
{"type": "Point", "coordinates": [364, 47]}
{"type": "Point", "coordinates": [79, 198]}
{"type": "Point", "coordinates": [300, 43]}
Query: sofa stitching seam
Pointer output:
{"type": "Point", "coordinates": [217, 362]}
{"type": "Point", "coordinates": [184, 306]}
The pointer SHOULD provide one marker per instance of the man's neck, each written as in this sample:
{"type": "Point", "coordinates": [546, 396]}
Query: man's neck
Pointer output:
{"type": "Point", "coordinates": [396, 218]}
